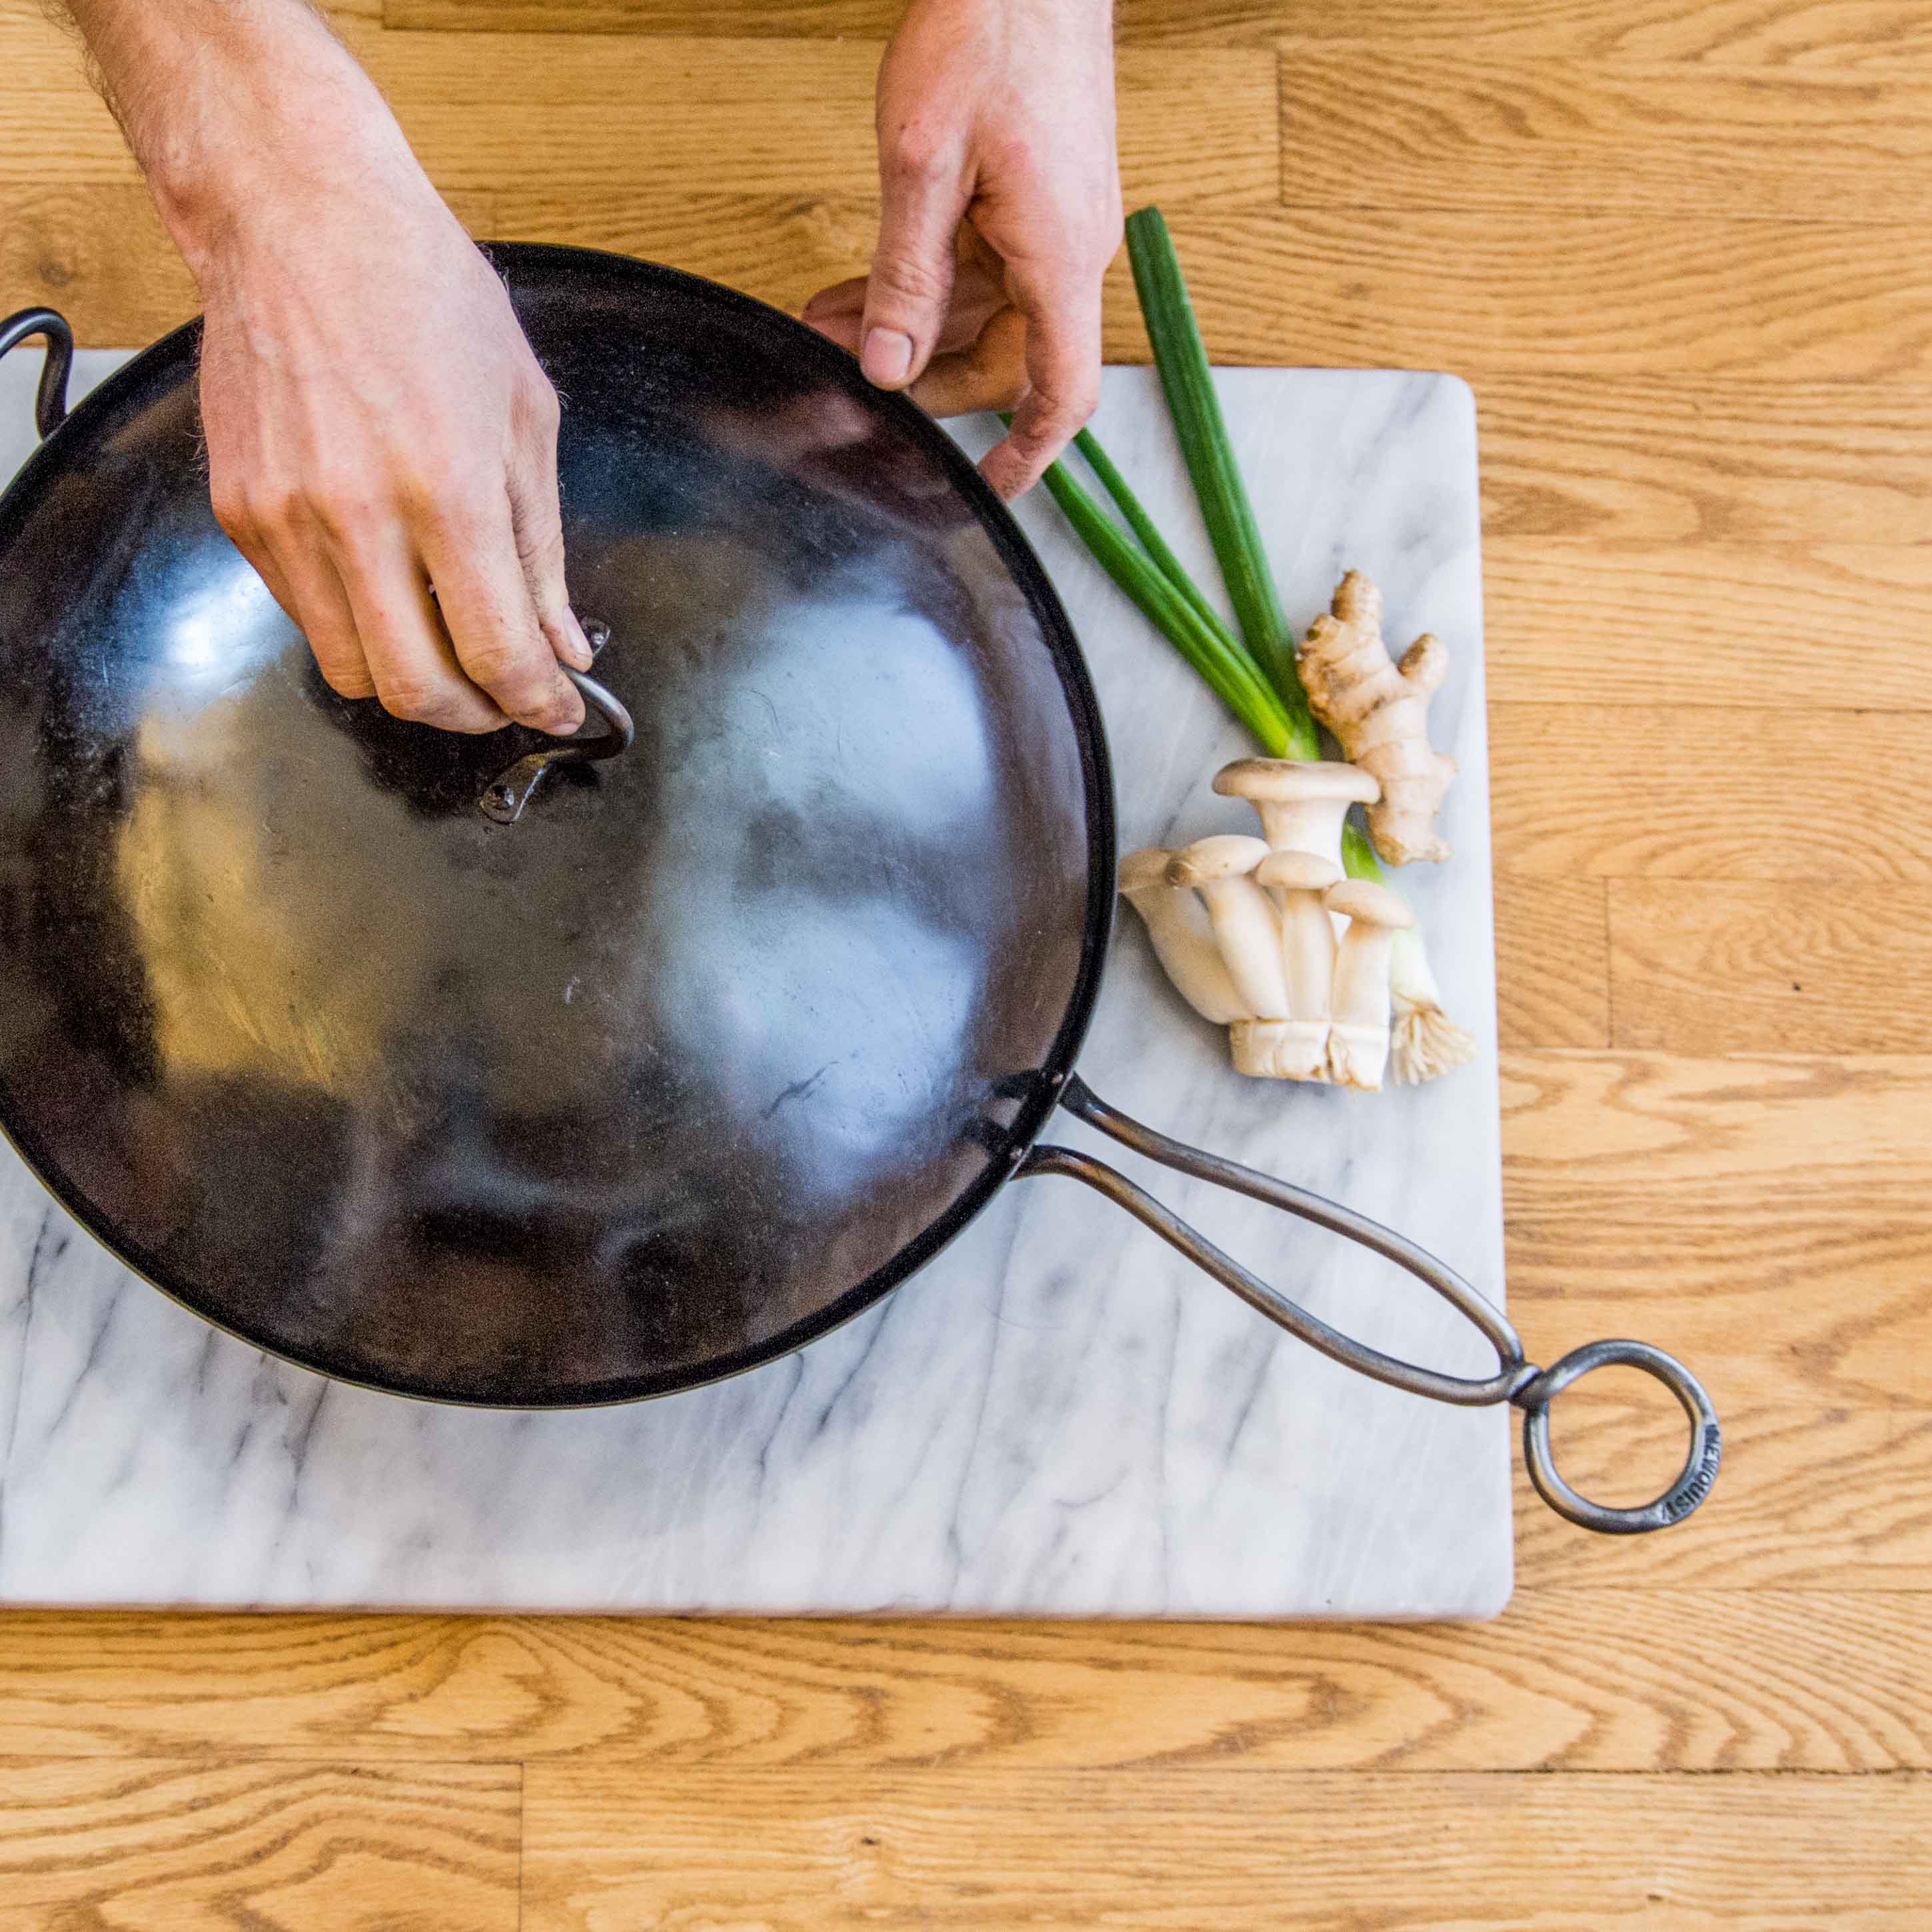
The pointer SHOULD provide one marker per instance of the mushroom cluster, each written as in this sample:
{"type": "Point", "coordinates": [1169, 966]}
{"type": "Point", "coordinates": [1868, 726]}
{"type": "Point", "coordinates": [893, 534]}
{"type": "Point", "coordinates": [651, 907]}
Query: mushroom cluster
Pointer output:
{"type": "Point", "coordinates": [1267, 937]}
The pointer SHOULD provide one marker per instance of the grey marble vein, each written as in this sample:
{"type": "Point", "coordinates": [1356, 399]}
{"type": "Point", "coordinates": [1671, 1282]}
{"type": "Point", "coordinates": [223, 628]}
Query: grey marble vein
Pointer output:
{"type": "Point", "coordinates": [1059, 1417]}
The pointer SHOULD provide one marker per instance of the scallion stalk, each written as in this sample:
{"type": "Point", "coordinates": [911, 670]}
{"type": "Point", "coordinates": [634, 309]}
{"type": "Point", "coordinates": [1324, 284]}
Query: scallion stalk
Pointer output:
{"type": "Point", "coordinates": [1207, 646]}
{"type": "Point", "coordinates": [1181, 357]}
{"type": "Point", "coordinates": [1143, 526]}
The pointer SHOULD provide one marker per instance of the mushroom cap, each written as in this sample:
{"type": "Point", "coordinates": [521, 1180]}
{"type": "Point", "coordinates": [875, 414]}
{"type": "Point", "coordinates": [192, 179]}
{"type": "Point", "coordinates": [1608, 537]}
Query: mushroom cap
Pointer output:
{"type": "Point", "coordinates": [1145, 867]}
{"type": "Point", "coordinates": [1372, 904]}
{"type": "Point", "coordinates": [1297, 872]}
{"type": "Point", "coordinates": [1225, 856]}
{"type": "Point", "coordinates": [1282, 779]}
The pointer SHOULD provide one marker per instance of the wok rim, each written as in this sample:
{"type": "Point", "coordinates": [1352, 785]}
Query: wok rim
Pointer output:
{"type": "Point", "coordinates": [1043, 1084]}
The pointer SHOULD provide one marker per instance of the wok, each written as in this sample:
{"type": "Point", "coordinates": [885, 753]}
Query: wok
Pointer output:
{"type": "Point", "coordinates": [505, 1071]}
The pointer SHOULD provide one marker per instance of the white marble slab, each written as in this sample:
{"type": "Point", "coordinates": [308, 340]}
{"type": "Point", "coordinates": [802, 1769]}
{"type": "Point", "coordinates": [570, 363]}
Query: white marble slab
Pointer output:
{"type": "Point", "coordinates": [1057, 1418]}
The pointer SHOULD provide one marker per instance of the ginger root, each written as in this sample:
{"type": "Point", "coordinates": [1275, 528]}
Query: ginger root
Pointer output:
{"type": "Point", "coordinates": [1378, 711]}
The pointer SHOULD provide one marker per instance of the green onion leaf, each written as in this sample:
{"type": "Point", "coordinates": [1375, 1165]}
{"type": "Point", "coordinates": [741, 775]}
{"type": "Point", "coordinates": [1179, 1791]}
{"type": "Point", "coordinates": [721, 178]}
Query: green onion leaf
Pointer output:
{"type": "Point", "coordinates": [1208, 647]}
{"type": "Point", "coordinates": [1182, 359]}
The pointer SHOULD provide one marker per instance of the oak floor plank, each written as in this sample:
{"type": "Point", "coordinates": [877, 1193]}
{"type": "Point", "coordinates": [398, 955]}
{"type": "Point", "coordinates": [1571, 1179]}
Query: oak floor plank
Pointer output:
{"type": "Point", "coordinates": [789, 1850]}
{"type": "Point", "coordinates": [1137, 22]}
{"type": "Point", "coordinates": [1830, 35]}
{"type": "Point", "coordinates": [1822, 34]}
{"type": "Point", "coordinates": [1628, 791]}
{"type": "Point", "coordinates": [159, 1845]}
{"type": "Point", "coordinates": [1511, 133]}
{"type": "Point", "coordinates": [1709, 1203]}
{"type": "Point", "coordinates": [1656, 461]}
{"type": "Point", "coordinates": [1552, 962]}
{"type": "Point", "coordinates": [1575, 1679]}
{"type": "Point", "coordinates": [1562, 292]}
{"type": "Point", "coordinates": [586, 113]}
{"type": "Point", "coordinates": [1826, 627]}
{"type": "Point", "coordinates": [590, 113]}
{"type": "Point", "coordinates": [1754, 968]}
{"type": "Point", "coordinates": [1814, 1497]}
{"type": "Point", "coordinates": [1604, 298]}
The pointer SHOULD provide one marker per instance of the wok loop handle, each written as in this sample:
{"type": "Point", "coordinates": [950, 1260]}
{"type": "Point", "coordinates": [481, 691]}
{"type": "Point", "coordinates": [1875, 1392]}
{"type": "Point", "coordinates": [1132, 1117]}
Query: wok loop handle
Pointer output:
{"type": "Point", "coordinates": [505, 795]}
{"type": "Point", "coordinates": [50, 404]}
{"type": "Point", "coordinates": [1517, 1381]}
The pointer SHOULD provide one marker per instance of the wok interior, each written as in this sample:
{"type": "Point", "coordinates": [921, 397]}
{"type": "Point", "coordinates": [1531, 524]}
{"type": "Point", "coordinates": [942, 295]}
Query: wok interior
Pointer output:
{"type": "Point", "coordinates": [702, 1054]}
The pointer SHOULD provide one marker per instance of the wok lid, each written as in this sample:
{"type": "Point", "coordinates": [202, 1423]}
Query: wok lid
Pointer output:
{"type": "Point", "coordinates": [713, 1046]}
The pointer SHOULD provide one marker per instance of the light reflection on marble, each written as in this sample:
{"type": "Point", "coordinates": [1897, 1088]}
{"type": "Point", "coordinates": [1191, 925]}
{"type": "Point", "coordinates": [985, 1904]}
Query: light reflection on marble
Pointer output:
{"type": "Point", "coordinates": [1058, 1418]}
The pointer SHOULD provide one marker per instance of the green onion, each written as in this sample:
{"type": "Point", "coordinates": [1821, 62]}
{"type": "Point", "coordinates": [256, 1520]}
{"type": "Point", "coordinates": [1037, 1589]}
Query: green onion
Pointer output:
{"type": "Point", "coordinates": [1142, 525]}
{"type": "Point", "coordinates": [1182, 359]}
{"type": "Point", "coordinates": [1206, 645]}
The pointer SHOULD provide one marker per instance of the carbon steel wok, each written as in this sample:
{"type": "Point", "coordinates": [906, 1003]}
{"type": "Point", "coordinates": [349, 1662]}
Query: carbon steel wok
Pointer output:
{"type": "Point", "coordinates": [503, 1071]}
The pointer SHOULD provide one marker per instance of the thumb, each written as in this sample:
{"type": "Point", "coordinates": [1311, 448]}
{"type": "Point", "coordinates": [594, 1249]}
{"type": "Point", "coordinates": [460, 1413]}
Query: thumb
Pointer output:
{"type": "Point", "coordinates": [911, 282]}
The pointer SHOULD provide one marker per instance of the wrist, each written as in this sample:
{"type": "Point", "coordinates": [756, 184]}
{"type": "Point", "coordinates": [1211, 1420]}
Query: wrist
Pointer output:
{"type": "Point", "coordinates": [265, 128]}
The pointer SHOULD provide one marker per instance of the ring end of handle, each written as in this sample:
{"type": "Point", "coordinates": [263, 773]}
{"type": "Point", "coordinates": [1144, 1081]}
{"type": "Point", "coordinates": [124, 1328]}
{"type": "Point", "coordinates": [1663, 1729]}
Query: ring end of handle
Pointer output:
{"type": "Point", "coordinates": [1693, 1483]}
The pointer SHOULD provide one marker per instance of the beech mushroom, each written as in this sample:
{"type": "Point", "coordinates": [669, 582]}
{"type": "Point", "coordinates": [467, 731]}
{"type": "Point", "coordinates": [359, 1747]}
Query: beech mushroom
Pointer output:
{"type": "Point", "coordinates": [1302, 801]}
{"type": "Point", "coordinates": [1247, 928]}
{"type": "Point", "coordinates": [1177, 925]}
{"type": "Point", "coordinates": [1358, 1035]}
{"type": "Point", "coordinates": [1307, 933]}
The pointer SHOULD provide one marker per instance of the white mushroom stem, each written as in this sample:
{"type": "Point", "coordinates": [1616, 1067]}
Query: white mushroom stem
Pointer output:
{"type": "Point", "coordinates": [1176, 923]}
{"type": "Point", "coordinates": [1307, 931]}
{"type": "Point", "coordinates": [1280, 1049]}
{"type": "Point", "coordinates": [1247, 928]}
{"type": "Point", "coordinates": [1358, 1037]}
{"type": "Point", "coordinates": [1302, 801]}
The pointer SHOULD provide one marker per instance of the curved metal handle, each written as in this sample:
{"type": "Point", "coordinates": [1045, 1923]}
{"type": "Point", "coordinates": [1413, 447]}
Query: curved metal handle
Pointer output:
{"type": "Point", "coordinates": [50, 404]}
{"type": "Point", "coordinates": [1700, 1465]}
{"type": "Point", "coordinates": [1515, 1379]}
{"type": "Point", "coordinates": [505, 795]}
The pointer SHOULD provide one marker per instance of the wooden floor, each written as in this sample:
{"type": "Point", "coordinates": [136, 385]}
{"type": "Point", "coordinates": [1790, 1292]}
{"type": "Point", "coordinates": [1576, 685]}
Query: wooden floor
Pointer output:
{"type": "Point", "coordinates": [1683, 252]}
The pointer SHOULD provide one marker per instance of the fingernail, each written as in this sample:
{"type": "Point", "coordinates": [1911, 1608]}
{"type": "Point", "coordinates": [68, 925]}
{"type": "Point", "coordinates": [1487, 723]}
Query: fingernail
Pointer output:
{"type": "Point", "coordinates": [887, 359]}
{"type": "Point", "coordinates": [576, 645]}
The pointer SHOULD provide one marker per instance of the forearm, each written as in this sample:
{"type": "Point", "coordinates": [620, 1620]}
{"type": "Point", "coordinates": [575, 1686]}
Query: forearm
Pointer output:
{"type": "Point", "coordinates": [235, 110]}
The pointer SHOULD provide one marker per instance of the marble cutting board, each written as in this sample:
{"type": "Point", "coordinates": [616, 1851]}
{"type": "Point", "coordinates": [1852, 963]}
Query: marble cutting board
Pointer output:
{"type": "Point", "coordinates": [1059, 1417]}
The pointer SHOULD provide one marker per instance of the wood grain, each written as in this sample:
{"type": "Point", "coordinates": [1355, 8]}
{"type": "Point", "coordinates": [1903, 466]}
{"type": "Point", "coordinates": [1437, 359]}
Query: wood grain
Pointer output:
{"type": "Point", "coordinates": [1731, 968]}
{"type": "Point", "coordinates": [1137, 22]}
{"type": "Point", "coordinates": [1682, 251]}
{"type": "Point", "coordinates": [1862, 36]}
{"type": "Point", "coordinates": [787, 1850]}
{"type": "Point", "coordinates": [146, 1845]}
{"type": "Point", "coordinates": [792, 118]}
{"type": "Point", "coordinates": [1819, 1497]}
{"type": "Point", "coordinates": [1580, 790]}
{"type": "Point", "coordinates": [1560, 291]}
{"type": "Point", "coordinates": [1571, 1679]}
{"type": "Point", "coordinates": [1708, 624]}
{"type": "Point", "coordinates": [1552, 961]}
{"type": "Point", "coordinates": [1519, 132]}
{"type": "Point", "coordinates": [1651, 461]}
{"type": "Point", "coordinates": [1707, 1203]}
{"type": "Point", "coordinates": [1885, 35]}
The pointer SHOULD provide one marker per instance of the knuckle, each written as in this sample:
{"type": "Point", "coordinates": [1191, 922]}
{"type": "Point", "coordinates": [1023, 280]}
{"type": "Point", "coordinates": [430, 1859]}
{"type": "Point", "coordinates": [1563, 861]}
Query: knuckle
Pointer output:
{"type": "Point", "coordinates": [908, 278]}
{"type": "Point", "coordinates": [538, 400]}
{"type": "Point", "coordinates": [917, 151]}
{"type": "Point", "coordinates": [417, 701]}
{"type": "Point", "coordinates": [347, 679]}
{"type": "Point", "coordinates": [512, 672]}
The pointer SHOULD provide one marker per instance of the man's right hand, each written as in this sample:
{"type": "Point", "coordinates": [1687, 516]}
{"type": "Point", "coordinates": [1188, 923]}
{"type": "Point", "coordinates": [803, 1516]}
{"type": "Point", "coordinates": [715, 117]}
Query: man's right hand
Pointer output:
{"type": "Point", "coordinates": [381, 443]}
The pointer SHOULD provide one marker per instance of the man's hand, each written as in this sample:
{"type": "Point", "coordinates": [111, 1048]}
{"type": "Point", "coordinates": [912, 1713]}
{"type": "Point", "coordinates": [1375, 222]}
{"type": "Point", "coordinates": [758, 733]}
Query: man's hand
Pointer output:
{"type": "Point", "coordinates": [382, 444]}
{"type": "Point", "coordinates": [1002, 209]}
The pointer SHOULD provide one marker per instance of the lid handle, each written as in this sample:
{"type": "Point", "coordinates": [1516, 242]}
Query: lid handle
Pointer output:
{"type": "Point", "coordinates": [50, 405]}
{"type": "Point", "coordinates": [505, 795]}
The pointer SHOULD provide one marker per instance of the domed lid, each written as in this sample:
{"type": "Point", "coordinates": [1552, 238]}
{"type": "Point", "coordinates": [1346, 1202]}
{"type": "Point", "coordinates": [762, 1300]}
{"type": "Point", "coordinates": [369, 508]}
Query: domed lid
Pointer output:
{"type": "Point", "coordinates": [704, 1051]}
